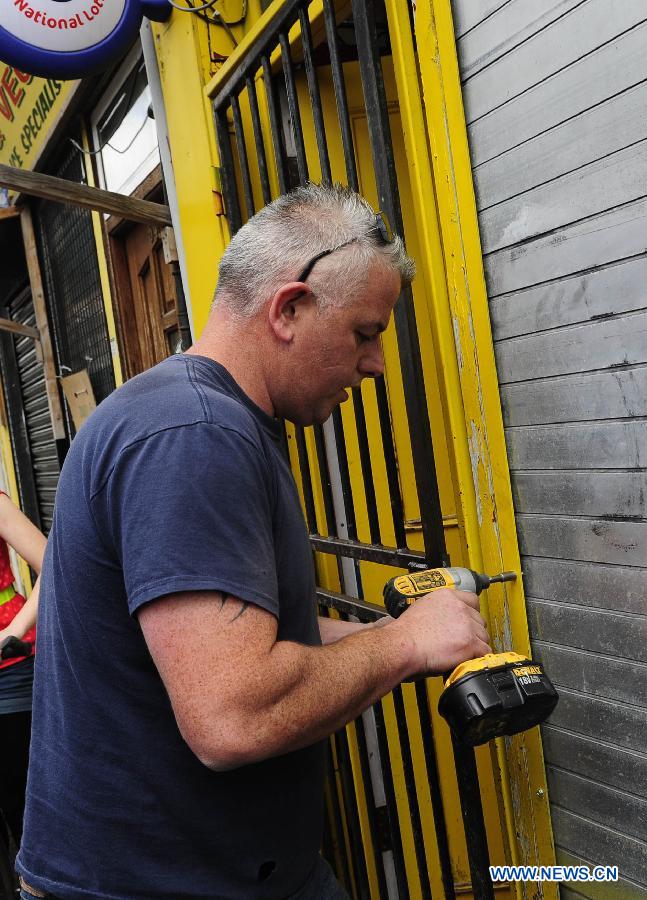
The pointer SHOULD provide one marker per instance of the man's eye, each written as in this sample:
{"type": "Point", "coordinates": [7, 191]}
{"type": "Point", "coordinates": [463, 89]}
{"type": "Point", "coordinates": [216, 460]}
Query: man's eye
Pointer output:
{"type": "Point", "coordinates": [363, 338]}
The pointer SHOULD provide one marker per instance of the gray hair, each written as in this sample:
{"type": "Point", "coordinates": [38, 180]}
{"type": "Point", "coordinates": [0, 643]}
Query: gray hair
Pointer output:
{"type": "Point", "coordinates": [276, 244]}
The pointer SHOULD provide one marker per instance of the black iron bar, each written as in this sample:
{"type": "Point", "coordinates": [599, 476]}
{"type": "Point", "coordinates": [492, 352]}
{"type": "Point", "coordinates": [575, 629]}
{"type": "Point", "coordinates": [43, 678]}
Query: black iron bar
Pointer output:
{"type": "Point", "coordinates": [306, 478]}
{"type": "Point", "coordinates": [473, 821]}
{"type": "Point", "coordinates": [361, 609]}
{"type": "Point", "coordinates": [391, 804]}
{"type": "Point", "coordinates": [315, 95]}
{"type": "Point", "coordinates": [410, 360]}
{"type": "Point", "coordinates": [339, 87]}
{"type": "Point", "coordinates": [367, 552]}
{"type": "Point", "coordinates": [324, 476]}
{"type": "Point", "coordinates": [339, 826]}
{"type": "Point", "coordinates": [242, 156]}
{"type": "Point", "coordinates": [263, 45]}
{"type": "Point", "coordinates": [412, 793]}
{"type": "Point", "coordinates": [227, 172]}
{"type": "Point", "coordinates": [391, 463]}
{"type": "Point", "coordinates": [371, 807]}
{"type": "Point", "coordinates": [293, 107]}
{"type": "Point", "coordinates": [366, 466]}
{"type": "Point", "coordinates": [349, 797]}
{"type": "Point", "coordinates": [346, 488]}
{"type": "Point", "coordinates": [433, 779]}
{"type": "Point", "coordinates": [276, 126]}
{"type": "Point", "coordinates": [261, 156]}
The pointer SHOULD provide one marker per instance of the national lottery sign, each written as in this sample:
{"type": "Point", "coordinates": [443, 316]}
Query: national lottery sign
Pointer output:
{"type": "Point", "coordinates": [71, 38]}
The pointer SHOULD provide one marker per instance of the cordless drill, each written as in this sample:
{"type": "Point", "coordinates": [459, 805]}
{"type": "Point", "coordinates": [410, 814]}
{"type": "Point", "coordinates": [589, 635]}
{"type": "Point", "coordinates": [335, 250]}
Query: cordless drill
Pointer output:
{"type": "Point", "coordinates": [487, 697]}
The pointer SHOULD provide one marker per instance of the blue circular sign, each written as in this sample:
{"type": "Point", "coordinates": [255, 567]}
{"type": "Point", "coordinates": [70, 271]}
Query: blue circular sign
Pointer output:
{"type": "Point", "coordinates": [71, 38]}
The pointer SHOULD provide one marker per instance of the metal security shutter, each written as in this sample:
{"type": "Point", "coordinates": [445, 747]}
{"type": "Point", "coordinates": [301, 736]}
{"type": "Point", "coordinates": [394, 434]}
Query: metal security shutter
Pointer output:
{"type": "Point", "coordinates": [555, 96]}
{"type": "Point", "coordinates": [38, 426]}
{"type": "Point", "coordinates": [71, 275]}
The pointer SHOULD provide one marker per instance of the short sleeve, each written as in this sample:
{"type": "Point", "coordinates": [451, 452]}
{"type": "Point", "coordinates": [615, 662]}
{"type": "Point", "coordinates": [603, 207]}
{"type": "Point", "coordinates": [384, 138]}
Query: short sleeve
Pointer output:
{"type": "Point", "coordinates": [190, 508]}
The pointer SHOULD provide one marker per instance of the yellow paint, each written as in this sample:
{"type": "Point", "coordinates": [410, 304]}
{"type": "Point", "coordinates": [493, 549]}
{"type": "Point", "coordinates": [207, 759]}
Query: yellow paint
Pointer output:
{"type": "Point", "coordinates": [204, 234]}
{"type": "Point", "coordinates": [473, 406]}
{"type": "Point", "coordinates": [104, 278]}
{"type": "Point", "coordinates": [30, 109]}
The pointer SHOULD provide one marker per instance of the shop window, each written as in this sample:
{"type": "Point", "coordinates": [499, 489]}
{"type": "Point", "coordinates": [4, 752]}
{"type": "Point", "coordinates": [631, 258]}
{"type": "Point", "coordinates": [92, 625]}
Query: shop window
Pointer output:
{"type": "Point", "coordinates": [124, 130]}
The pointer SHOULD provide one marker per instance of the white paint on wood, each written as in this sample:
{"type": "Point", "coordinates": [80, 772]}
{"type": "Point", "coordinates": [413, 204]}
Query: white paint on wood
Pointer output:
{"type": "Point", "coordinates": [616, 394]}
{"type": "Point", "coordinates": [617, 341]}
{"type": "Point", "coordinates": [589, 191]}
{"type": "Point", "coordinates": [581, 31]}
{"type": "Point", "coordinates": [595, 445]}
{"type": "Point", "coordinates": [585, 296]}
{"type": "Point", "coordinates": [594, 78]}
{"type": "Point", "coordinates": [599, 132]}
{"type": "Point", "coordinates": [594, 540]}
{"type": "Point", "coordinates": [613, 235]}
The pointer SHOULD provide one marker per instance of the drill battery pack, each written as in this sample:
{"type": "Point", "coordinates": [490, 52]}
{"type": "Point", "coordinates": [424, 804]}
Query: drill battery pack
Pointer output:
{"type": "Point", "coordinates": [497, 694]}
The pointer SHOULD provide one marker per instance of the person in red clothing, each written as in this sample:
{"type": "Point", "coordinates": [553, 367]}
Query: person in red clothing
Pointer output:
{"type": "Point", "coordinates": [17, 619]}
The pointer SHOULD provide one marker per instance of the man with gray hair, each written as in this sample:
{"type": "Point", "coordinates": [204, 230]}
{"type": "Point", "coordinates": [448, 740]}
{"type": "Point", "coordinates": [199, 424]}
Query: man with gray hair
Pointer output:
{"type": "Point", "coordinates": [184, 684]}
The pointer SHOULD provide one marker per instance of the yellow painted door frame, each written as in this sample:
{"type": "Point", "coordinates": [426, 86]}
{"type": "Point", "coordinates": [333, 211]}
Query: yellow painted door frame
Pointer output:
{"type": "Point", "coordinates": [445, 206]}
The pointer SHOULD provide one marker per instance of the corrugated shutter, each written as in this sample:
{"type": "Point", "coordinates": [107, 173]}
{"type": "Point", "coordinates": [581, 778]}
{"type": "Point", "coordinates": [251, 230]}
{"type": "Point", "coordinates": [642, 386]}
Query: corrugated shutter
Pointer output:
{"type": "Point", "coordinates": [73, 286]}
{"type": "Point", "coordinates": [37, 420]}
{"type": "Point", "coordinates": [554, 97]}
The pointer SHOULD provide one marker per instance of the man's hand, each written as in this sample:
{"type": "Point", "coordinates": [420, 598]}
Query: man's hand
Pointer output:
{"type": "Point", "coordinates": [446, 628]}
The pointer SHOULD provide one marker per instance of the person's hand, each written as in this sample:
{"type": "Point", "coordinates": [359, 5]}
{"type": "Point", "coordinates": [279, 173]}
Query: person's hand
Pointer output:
{"type": "Point", "coordinates": [446, 628]}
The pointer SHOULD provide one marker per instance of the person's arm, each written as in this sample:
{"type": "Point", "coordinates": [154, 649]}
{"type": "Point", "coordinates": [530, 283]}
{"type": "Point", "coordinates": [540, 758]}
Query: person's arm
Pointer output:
{"type": "Point", "coordinates": [26, 618]}
{"type": "Point", "coordinates": [332, 630]}
{"type": "Point", "coordinates": [242, 696]}
{"type": "Point", "coordinates": [21, 534]}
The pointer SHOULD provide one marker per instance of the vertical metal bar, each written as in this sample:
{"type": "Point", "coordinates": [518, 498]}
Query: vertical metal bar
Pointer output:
{"type": "Point", "coordinates": [370, 803]}
{"type": "Point", "coordinates": [242, 156]}
{"type": "Point", "coordinates": [229, 192]}
{"type": "Point", "coordinates": [324, 476]}
{"type": "Point", "coordinates": [391, 805]}
{"type": "Point", "coordinates": [275, 123]}
{"type": "Point", "coordinates": [473, 821]}
{"type": "Point", "coordinates": [358, 860]}
{"type": "Point", "coordinates": [306, 480]}
{"type": "Point", "coordinates": [339, 87]}
{"type": "Point", "coordinates": [433, 779]}
{"type": "Point", "coordinates": [412, 371]}
{"type": "Point", "coordinates": [258, 139]}
{"type": "Point", "coordinates": [340, 443]}
{"type": "Point", "coordinates": [315, 96]}
{"type": "Point", "coordinates": [412, 794]}
{"type": "Point", "coordinates": [390, 461]}
{"type": "Point", "coordinates": [293, 107]}
{"type": "Point", "coordinates": [339, 827]}
{"type": "Point", "coordinates": [366, 466]}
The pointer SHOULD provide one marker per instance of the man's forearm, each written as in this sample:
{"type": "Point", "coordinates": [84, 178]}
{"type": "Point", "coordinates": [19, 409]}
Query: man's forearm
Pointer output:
{"type": "Point", "coordinates": [306, 693]}
{"type": "Point", "coordinates": [332, 630]}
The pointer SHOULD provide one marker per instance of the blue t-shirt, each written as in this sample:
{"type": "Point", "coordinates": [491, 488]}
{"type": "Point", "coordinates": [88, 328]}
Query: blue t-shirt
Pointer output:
{"type": "Point", "coordinates": [176, 483]}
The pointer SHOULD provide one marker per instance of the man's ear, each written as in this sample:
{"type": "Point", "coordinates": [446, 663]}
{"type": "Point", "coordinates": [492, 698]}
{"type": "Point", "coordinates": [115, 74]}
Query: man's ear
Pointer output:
{"type": "Point", "coordinates": [286, 309]}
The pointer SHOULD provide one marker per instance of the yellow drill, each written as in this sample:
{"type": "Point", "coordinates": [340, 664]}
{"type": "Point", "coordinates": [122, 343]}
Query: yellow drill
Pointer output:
{"type": "Point", "coordinates": [484, 698]}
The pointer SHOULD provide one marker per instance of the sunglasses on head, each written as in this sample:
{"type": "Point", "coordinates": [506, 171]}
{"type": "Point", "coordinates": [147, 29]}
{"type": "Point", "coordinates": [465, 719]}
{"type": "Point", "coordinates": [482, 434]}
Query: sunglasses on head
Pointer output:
{"type": "Point", "coordinates": [381, 226]}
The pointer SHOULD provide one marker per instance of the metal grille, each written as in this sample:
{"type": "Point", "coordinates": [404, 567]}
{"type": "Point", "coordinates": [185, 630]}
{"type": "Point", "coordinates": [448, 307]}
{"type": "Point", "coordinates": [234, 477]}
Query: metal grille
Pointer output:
{"type": "Point", "coordinates": [254, 86]}
{"type": "Point", "coordinates": [35, 448]}
{"type": "Point", "coordinates": [73, 287]}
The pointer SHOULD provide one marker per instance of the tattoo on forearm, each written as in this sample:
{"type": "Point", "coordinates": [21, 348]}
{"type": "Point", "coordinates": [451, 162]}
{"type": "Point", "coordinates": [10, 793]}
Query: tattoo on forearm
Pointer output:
{"type": "Point", "coordinates": [241, 610]}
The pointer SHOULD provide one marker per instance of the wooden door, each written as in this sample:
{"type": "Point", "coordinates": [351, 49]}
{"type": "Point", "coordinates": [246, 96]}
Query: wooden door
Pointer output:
{"type": "Point", "coordinates": [146, 298]}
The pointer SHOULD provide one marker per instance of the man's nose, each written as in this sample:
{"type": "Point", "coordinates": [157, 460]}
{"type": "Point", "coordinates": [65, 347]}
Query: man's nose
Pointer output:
{"type": "Point", "coordinates": [371, 364]}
